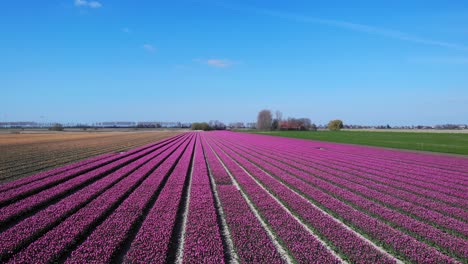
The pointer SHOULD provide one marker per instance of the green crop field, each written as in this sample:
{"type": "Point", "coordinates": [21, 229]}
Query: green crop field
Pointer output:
{"type": "Point", "coordinates": [456, 143]}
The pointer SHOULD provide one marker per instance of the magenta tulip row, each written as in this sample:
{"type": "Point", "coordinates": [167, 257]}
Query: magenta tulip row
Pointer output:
{"type": "Point", "coordinates": [302, 245]}
{"type": "Point", "coordinates": [344, 241]}
{"type": "Point", "coordinates": [360, 186]}
{"type": "Point", "coordinates": [202, 241]}
{"type": "Point", "coordinates": [400, 175]}
{"type": "Point", "coordinates": [50, 179]}
{"type": "Point", "coordinates": [373, 183]}
{"type": "Point", "coordinates": [380, 232]}
{"type": "Point", "coordinates": [14, 210]}
{"type": "Point", "coordinates": [251, 242]}
{"type": "Point", "coordinates": [296, 147]}
{"type": "Point", "coordinates": [153, 240]}
{"type": "Point", "coordinates": [359, 197]}
{"type": "Point", "coordinates": [26, 230]}
{"type": "Point", "coordinates": [400, 164]}
{"type": "Point", "coordinates": [98, 248]}
{"type": "Point", "coordinates": [220, 175]}
{"type": "Point", "coordinates": [312, 155]}
{"type": "Point", "coordinates": [215, 197]}
{"type": "Point", "coordinates": [46, 174]}
{"type": "Point", "coordinates": [52, 245]}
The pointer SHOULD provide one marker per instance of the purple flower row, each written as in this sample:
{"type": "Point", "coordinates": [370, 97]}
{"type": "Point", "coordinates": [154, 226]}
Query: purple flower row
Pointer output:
{"type": "Point", "coordinates": [402, 174]}
{"type": "Point", "coordinates": [339, 159]}
{"type": "Point", "coordinates": [250, 240]}
{"type": "Point", "coordinates": [400, 164]}
{"type": "Point", "coordinates": [336, 152]}
{"type": "Point", "coordinates": [42, 198]}
{"type": "Point", "coordinates": [301, 245]}
{"type": "Point", "coordinates": [54, 179]}
{"type": "Point", "coordinates": [457, 165]}
{"type": "Point", "coordinates": [454, 245]}
{"type": "Point", "coordinates": [152, 242]}
{"type": "Point", "coordinates": [50, 246]}
{"type": "Point", "coordinates": [373, 183]}
{"type": "Point", "coordinates": [219, 173]}
{"type": "Point", "coordinates": [42, 175]}
{"type": "Point", "coordinates": [107, 239]}
{"type": "Point", "coordinates": [203, 242]}
{"type": "Point", "coordinates": [400, 243]}
{"type": "Point", "coordinates": [20, 234]}
{"type": "Point", "coordinates": [351, 246]}
{"type": "Point", "coordinates": [356, 183]}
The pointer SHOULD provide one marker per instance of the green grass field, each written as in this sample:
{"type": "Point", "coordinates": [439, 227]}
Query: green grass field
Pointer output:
{"type": "Point", "coordinates": [456, 143]}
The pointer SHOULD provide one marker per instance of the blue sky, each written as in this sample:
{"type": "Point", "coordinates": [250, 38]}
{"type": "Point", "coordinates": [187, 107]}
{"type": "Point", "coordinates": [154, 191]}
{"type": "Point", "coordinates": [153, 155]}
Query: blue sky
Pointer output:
{"type": "Point", "coordinates": [366, 62]}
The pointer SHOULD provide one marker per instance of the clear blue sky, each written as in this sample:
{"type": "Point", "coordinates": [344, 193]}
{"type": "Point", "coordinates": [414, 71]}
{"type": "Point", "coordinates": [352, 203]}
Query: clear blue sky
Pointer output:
{"type": "Point", "coordinates": [366, 62]}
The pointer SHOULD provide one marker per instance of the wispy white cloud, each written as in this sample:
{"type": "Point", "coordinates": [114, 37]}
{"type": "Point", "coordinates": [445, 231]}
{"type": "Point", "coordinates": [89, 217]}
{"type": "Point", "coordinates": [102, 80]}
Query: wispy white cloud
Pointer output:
{"type": "Point", "coordinates": [440, 60]}
{"type": "Point", "coordinates": [90, 4]}
{"type": "Point", "coordinates": [395, 34]}
{"type": "Point", "coordinates": [217, 63]}
{"type": "Point", "coordinates": [150, 48]}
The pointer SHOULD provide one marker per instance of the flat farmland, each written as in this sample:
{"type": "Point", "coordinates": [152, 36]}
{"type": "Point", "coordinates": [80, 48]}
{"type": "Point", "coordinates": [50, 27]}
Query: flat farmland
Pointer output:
{"type": "Point", "coordinates": [445, 141]}
{"type": "Point", "coordinates": [225, 197]}
{"type": "Point", "coordinates": [27, 153]}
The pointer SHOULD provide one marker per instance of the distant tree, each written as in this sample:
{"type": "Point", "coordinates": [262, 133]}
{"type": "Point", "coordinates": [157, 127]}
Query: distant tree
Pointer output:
{"type": "Point", "coordinates": [56, 127]}
{"type": "Point", "coordinates": [200, 126]}
{"type": "Point", "coordinates": [278, 116]}
{"type": "Point", "coordinates": [335, 125]}
{"type": "Point", "coordinates": [275, 124]}
{"type": "Point", "coordinates": [237, 125]}
{"type": "Point", "coordinates": [251, 125]}
{"type": "Point", "coordinates": [304, 123]}
{"type": "Point", "coordinates": [264, 120]}
{"type": "Point", "coordinates": [313, 127]}
{"type": "Point", "coordinates": [217, 125]}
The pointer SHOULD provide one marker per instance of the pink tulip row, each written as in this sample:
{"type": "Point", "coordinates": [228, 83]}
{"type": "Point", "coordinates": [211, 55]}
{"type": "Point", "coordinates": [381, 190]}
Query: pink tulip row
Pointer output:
{"type": "Point", "coordinates": [325, 156]}
{"type": "Point", "coordinates": [55, 243]}
{"type": "Point", "coordinates": [360, 198]}
{"type": "Point", "coordinates": [49, 179]}
{"type": "Point", "coordinates": [401, 162]}
{"type": "Point", "coordinates": [350, 246]}
{"type": "Point", "coordinates": [332, 152]}
{"type": "Point", "coordinates": [425, 174]}
{"type": "Point", "coordinates": [362, 187]}
{"type": "Point", "coordinates": [202, 234]}
{"type": "Point", "coordinates": [320, 202]}
{"type": "Point", "coordinates": [373, 183]}
{"type": "Point", "coordinates": [299, 243]}
{"type": "Point", "coordinates": [401, 175]}
{"type": "Point", "coordinates": [395, 241]}
{"type": "Point", "coordinates": [103, 244]}
{"type": "Point", "coordinates": [251, 242]}
{"type": "Point", "coordinates": [26, 230]}
{"type": "Point", "coordinates": [220, 175]}
{"type": "Point", "coordinates": [42, 175]}
{"type": "Point", "coordinates": [153, 240]}
{"type": "Point", "coordinates": [456, 164]}
{"type": "Point", "coordinates": [44, 197]}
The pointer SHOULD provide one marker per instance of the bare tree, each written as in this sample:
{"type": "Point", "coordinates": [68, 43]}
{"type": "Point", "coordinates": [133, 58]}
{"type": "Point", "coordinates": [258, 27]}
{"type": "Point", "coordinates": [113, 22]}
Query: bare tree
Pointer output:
{"type": "Point", "coordinates": [278, 115]}
{"type": "Point", "coordinates": [264, 120]}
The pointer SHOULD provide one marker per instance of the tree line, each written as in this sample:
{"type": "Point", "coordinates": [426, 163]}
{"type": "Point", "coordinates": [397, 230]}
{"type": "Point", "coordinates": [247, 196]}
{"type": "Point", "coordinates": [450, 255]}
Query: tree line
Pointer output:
{"type": "Point", "coordinates": [266, 121]}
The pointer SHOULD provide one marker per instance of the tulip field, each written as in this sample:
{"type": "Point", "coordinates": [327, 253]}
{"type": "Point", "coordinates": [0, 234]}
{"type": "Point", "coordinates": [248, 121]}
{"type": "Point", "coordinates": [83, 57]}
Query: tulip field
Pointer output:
{"type": "Point", "coordinates": [227, 197]}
